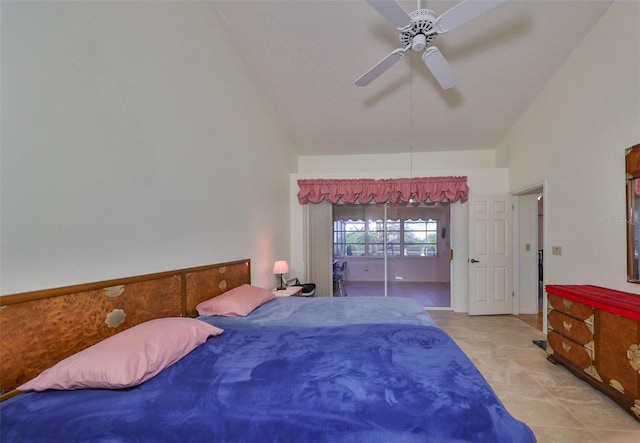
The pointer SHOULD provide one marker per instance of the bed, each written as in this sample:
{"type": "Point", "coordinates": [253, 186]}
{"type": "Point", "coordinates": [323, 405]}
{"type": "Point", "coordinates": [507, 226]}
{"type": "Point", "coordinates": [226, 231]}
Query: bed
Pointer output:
{"type": "Point", "coordinates": [326, 311]}
{"type": "Point", "coordinates": [349, 379]}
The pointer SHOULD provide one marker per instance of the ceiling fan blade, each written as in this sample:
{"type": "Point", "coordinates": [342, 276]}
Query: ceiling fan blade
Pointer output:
{"type": "Point", "coordinates": [439, 67]}
{"type": "Point", "coordinates": [392, 11]}
{"type": "Point", "coordinates": [463, 12]}
{"type": "Point", "coordinates": [380, 67]}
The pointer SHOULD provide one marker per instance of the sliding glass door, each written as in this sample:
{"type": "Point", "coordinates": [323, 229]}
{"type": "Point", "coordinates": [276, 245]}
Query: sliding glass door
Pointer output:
{"type": "Point", "coordinates": [393, 251]}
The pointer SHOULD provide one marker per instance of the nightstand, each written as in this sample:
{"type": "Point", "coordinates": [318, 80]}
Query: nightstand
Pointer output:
{"type": "Point", "coordinates": [291, 291]}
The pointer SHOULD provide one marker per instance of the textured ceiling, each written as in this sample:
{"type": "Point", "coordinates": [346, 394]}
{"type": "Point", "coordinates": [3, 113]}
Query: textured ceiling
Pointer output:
{"type": "Point", "coordinates": [306, 54]}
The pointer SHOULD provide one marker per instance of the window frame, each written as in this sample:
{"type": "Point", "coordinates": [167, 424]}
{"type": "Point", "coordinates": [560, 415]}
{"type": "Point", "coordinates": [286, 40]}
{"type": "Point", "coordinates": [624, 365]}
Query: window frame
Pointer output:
{"type": "Point", "coordinates": [369, 246]}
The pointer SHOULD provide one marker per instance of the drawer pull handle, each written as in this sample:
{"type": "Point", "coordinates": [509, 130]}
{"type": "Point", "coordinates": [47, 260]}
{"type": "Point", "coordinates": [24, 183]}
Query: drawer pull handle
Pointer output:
{"type": "Point", "coordinates": [633, 354]}
{"type": "Point", "coordinates": [567, 303]}
{"type": "Point", "coordinates": [567, 326]}
{"type": "Point", "coordinates": [566, 347]}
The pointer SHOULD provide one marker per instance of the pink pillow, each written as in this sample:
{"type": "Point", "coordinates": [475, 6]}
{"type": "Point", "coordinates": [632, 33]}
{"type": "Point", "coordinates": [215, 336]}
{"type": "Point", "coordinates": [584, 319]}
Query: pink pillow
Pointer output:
{"type": "Point", "coordinates": [240, 301]}
{"type": "Point", "coordinates": [127, 358]}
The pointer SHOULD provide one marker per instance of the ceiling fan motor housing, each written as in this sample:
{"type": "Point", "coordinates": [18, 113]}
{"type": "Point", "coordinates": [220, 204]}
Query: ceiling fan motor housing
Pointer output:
{"type": "Point", "coordinates": [423, 20]}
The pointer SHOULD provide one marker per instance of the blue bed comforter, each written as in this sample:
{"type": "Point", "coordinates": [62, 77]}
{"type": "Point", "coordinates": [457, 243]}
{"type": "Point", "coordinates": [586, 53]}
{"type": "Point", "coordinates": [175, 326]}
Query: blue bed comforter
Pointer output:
{"type": "Point", "coordinates": [359, 383]}
{"type": "Point", "coordinates": [327, 311]}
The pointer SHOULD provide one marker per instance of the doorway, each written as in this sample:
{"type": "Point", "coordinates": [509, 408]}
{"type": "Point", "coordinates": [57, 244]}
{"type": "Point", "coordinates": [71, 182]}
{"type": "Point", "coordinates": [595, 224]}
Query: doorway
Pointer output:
{"type": "Point", "coordinates": [394, 251]}
{"type": "Point", "coordinates": [530, 256]}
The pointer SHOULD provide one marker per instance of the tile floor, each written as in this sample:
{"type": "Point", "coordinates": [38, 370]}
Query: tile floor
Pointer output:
{"type": "Point", "coordinates": [557, 406]}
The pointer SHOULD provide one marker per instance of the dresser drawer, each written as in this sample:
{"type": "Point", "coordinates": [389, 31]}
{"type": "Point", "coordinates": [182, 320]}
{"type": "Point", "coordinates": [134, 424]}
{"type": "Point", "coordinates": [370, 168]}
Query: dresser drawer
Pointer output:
{"type": "Point", "coordinates": [572, 308]}
{"type": "Point", "coordinates": [570, 350]}
{"type": "Point", "coordinates": [570, 327]}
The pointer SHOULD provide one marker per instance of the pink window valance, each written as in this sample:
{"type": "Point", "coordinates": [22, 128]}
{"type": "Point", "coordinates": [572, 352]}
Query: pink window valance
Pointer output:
{"type": "Point", "coordinates": [401, 190]}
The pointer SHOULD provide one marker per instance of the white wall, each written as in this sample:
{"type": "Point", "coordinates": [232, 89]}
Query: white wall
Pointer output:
{"type": "Point", "coordinates": [398, 164]}
{"type": "Point", "coordinates": [573, 138]}
{"type": "Point", "coordinates": [482, 177]}
{"type": "Point", "coordinates": [133, 142]}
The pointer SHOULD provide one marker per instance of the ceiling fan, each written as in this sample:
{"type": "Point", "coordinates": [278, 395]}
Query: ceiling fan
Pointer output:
{"type": "Point", "coordinates": [418, 30]}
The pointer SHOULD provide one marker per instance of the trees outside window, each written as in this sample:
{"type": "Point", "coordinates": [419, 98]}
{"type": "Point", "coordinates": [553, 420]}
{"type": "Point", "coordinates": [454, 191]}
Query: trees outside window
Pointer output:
{"type": "Point", "coordinates": [410, 235]}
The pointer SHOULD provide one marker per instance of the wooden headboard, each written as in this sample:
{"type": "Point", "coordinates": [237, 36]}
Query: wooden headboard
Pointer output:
{"type": "Point", "coordinates": [40, 328]}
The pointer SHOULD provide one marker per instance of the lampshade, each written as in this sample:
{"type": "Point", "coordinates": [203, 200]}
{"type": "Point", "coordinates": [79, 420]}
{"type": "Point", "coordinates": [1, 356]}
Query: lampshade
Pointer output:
{"type": "Point", "coordinates": [280, 267]}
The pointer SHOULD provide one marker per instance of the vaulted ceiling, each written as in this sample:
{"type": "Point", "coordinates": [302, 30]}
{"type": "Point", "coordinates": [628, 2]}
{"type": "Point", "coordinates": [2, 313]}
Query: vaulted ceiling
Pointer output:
{"type": "Point", "coordinates": [306, 54]}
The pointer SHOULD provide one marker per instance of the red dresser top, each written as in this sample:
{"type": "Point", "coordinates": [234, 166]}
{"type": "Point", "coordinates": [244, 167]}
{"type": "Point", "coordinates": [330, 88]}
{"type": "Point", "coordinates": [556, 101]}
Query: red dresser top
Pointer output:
{"type": "Point", "coordinates": [616, 302]}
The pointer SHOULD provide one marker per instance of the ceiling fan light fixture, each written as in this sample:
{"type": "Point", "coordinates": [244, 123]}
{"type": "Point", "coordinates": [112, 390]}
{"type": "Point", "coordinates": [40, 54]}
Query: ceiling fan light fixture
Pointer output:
{"type": "Point", "coordinates": [419, 43]}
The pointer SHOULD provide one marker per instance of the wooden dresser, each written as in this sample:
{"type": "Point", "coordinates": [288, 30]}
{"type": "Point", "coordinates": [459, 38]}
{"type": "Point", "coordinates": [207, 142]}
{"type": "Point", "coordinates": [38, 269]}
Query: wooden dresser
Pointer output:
{"type": "Point", "coordinates": [595, 333]}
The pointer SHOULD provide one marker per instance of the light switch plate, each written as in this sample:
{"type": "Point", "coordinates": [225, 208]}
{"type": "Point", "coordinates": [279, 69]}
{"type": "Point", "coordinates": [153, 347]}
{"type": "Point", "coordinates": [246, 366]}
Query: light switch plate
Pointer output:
{"type": "Point", "coordinates": [556, 250]}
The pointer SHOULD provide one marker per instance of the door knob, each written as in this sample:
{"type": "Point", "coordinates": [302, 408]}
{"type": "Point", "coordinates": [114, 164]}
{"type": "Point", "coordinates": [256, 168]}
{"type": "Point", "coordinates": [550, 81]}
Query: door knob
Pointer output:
{"type": "Point", "coordinates": [473, 260]}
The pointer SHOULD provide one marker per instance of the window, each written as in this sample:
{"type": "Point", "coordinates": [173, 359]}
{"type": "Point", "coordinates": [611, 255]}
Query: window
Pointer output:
{"type": "Point", "coordinates": [375, 237]}
{"type": "Point", "coordinates": [361, 232]}
{"type": "Point", "coordinates": [421, 237]}
{"type": "Point", "coordinates": [348, 238]}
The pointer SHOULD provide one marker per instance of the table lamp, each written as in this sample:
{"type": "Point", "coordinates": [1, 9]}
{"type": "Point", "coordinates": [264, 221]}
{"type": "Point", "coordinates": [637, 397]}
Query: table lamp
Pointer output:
{"type": "Point", "coordinates": [280, 267]}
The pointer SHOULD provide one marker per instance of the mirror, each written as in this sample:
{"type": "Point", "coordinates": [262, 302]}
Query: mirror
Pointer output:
{"type": "Point", "coordinates": [633, 214]}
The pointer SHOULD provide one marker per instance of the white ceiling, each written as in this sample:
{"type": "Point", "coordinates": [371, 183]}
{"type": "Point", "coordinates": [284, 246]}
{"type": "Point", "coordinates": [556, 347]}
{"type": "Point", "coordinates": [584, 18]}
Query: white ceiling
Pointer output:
{"type": "Point", "coordinates": [306, 54]}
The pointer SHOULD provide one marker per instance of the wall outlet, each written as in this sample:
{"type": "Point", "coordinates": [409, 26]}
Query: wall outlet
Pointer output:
{"type": "Point", "coordinates": [556, 250]}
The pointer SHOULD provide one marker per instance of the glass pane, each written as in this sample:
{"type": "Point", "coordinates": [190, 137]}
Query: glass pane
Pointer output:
{"type": "Point", "coordinates": [354, 249]}
{"type": "Point", "coordinates": [410, 240]}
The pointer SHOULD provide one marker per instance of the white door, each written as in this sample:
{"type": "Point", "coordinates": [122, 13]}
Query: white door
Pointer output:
{"type": "Point", "coordinates": [490, 255]}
